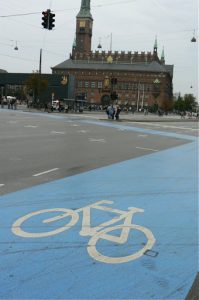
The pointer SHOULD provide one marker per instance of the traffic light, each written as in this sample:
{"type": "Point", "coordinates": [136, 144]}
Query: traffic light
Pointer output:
{"type": "Point", "coordinates": [45, 19]}
{"type": "Point", "coordinates": [114, 96]}
{"type": "Point", "coordinates": [113, 81]}
{"type": "Point", "coordinates": [48, 19]}
{"type": "Point", "coordinates": [51, 21]}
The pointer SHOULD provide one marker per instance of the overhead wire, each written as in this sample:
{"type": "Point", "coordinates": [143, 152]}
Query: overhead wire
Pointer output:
{"type": "Point", "coordinates": [69, 9]}
{"type": "Point", "coordinates": [20, 58]}
{"type": "Point", "coordinates": [66, 9]}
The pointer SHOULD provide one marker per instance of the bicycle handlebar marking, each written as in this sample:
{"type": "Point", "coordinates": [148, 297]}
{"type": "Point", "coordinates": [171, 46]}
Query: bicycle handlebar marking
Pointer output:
{"type": "Point", "coordinates": [96, 233]}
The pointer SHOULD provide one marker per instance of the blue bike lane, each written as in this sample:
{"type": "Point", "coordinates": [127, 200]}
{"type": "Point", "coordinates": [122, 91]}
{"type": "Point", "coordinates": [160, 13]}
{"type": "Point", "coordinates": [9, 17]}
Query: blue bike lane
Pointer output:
{"type": "Point", "coordinates": [163, 185]}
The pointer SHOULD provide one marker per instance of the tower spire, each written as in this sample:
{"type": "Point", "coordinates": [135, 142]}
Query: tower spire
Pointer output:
{"type": "Point", "coordinates": [85, 10]}
{"type": "Point", "coordinates": [74, 43]}
{"type": "Point", "coordinates": [155, 49]}
{"type": "Point", "coordinates": [155, 44]}
{"type": "Point", "coordinates": [84, 25]}
{"type": "Point", "coordinates": [163, 56]}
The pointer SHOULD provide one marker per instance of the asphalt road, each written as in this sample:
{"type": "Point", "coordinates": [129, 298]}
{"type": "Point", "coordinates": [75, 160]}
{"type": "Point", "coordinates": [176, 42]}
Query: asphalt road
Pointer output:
{"type": "Point", "coordinates": [37, 148]}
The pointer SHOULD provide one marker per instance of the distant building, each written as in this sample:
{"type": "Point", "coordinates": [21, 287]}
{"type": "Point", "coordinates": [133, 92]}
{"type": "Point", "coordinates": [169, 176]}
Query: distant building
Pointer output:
{"type": "Point", "coordinates": [59, 87]}
{"type": "Point", "coordinates": [3, 71]}
{"type": "Point", "coordinates": [132, 78]}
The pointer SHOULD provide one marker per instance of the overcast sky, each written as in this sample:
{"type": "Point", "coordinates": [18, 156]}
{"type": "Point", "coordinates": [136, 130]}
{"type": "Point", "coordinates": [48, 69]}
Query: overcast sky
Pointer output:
{"type": "Point", "coordinates": [132, 23]}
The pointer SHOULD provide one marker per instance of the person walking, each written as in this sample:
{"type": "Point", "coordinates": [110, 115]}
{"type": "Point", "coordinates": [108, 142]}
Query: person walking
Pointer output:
{"type": "Point", "coordinates": [110, 112]}
{"type": "Point", "coordinates": [45, 107]}
{"type": "Point", "coordinates": [117, 112]}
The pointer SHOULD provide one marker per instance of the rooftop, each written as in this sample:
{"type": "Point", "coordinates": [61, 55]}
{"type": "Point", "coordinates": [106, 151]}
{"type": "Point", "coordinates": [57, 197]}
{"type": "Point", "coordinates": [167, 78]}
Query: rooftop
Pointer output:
{"type": "Point", "coordinates": [153, 66]}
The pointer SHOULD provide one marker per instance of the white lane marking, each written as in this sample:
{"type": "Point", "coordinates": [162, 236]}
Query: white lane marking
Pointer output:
{"type": "Point", "coordinates": [88, 116]}
{"type": "Point", "coordinates": [57, 132]}
{"type": "Point", "coordinates": [45, 172]}
{"type": "Point", "coordinates": [12, 122]}
{"type": "Point", "coordinates": [15, 158]}
{"type": "Point", "coordinates": [143, 135]}
{"type": "Point", "coordinates": [182, 128]}
{"type": "Point", "coordinates": [74, 125]}
{"type": "Point", "coordinates": [83, 131]}
{"type": "Point", "coordinates": [2, 184]}
{"type": "Point", "coordinates": [121, 129]}
{"type": "Point", "coordinates": [30, 126]}
{"type": "Point", "coordinates": [97, 140]}
{"type": "Point", "coordinates": [155, 150]}
{"type": "Point", "coordinates": [165, 126]}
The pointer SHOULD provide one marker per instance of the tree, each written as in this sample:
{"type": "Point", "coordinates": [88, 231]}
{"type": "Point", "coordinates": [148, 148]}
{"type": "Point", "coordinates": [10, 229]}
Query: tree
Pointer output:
{"type": "Point", "coordinates": [35, 85]}
{"type": "Point", "coordinates": [179, 104]}
{"type": "Point", "coordinates": [186, 103]}
{"type": "Point", "coordinates": [190, 102]}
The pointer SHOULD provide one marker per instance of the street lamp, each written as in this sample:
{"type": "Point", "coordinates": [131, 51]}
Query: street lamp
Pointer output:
{"type": "Point", "coordinates": [138, 98]}
{"type": "Point", "coordinates": [16, 48]}
{"type": "Point", "coordinates": [99, 45]}
{"type": "Point", "coordinates": [193, 40]}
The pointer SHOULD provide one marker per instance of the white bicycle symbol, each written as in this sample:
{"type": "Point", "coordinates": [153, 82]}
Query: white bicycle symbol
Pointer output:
{"type": "Point", "coordinates": [99, 232]}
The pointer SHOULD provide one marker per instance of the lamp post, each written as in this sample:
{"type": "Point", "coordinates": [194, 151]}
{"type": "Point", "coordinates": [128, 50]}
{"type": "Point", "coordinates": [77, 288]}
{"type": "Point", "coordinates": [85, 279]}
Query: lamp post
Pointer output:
{"type": "Point", "coordinates": [142, 97]}
{"type": "Point", "coordinates": [156, 92]}
{"type": "Point", "coordinates": [138, 98]}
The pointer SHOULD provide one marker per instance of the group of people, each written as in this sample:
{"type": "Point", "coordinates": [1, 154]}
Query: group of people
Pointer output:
{"type": "Point", "coordinates": [113, 112]}
{"type": "Point", "coordinates": [11, 102]}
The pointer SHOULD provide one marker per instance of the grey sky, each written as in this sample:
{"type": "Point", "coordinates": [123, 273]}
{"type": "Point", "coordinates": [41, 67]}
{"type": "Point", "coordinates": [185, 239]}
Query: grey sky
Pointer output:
{"type": "Point", "coordinates": [133, 24]}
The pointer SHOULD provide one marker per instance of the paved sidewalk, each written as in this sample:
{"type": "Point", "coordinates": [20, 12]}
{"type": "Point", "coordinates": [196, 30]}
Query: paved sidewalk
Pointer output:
{"type": "Point", "coordinates": [136, 117]}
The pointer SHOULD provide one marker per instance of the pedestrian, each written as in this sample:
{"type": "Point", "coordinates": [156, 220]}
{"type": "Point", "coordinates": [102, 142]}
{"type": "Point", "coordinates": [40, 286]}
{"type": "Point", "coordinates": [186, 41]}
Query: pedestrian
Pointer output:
{"type": "Point", "coordinates": [15, 104]}
{"type": "Point", "coordinates": [66, 108]}
{"type": "Point", "coordinates": [45, 107]}
{"type": "Point", "coordinates": [50, 107]}
{"type": "Point", "coordinates": [117, 112]}
{"type": "Point", "coordinates": [2, 103]}
{"type": "Point", "coordinates": [110, 112]}
{"type": "Point", "coordinates": [8, 102]}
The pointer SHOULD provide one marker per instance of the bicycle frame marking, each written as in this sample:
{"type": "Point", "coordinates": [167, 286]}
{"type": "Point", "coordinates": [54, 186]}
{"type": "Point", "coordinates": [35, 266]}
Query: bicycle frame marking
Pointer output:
{"type": "Point", "coordinates": [96, 233]}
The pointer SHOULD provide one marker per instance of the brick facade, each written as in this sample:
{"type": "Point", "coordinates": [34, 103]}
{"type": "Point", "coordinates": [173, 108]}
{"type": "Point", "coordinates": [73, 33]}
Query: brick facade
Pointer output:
{"type": "Point", "coordinates": [142, 78]}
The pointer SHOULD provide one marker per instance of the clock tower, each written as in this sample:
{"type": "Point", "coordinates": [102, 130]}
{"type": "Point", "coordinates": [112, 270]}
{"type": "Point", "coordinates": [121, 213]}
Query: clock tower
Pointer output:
{"type": "Point", "coordinates": [84, 24]}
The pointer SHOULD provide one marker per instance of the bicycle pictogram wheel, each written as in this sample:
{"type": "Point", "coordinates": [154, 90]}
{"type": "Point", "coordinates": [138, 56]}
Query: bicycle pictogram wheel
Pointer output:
{"type": "Point", "coordinates": [17, 226]}
{"type": "Point", "coordinates": [94, 253]}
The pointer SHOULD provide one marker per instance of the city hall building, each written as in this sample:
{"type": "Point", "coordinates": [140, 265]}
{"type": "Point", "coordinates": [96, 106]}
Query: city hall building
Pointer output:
{"type": "Point", "coordinates": [135, 79]}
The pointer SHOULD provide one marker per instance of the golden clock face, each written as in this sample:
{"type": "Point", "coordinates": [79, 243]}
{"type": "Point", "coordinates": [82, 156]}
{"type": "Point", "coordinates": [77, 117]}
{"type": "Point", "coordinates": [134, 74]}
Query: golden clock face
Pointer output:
{"type": "Point", "coordinates": [109, 59]}
{"type": "Point", "coordinates": [82, 24]}
{"type": "Point", "coordinates": [64, 80]}
{"type": "Point", "coordinates": [106, 83]}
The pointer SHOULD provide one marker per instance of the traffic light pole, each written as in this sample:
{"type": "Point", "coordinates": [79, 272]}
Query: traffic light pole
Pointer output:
{"type": "Point", "coordinates": [113, 94]}
{"type": "Point", "coordinates": [40, 61]}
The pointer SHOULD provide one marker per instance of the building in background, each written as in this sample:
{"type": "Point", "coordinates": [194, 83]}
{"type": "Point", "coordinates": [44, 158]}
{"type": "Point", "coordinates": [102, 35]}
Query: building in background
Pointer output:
{"type": "Point", "coordinates": [58, 86]}
{"type": "Point", "coordinates": [134, 79]}
{"type": "Point", "coordinates": [3, 71]}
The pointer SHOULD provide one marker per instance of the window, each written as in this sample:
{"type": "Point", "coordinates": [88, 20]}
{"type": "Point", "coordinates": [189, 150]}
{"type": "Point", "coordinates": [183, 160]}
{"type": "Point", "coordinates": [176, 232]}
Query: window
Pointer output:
{"type": "Point", "coordinates": [93, 85]}
{"type": "Point", "coordinates": [141, 87]}
{"type": "Point", "coordinates": [86, 84]}
{"type": "Point", "coordinates": [126, 86]}
{"type": "Point", "coordinates": [79, 84]}
{"type": "Point", "coordinates": [99, 85]}
{"type": "Point", "coordinates": [135, 86]}
{"type": "Point", "coordinates": [122, 86]}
